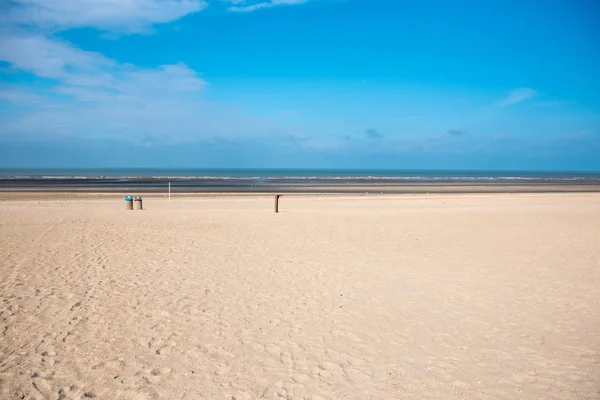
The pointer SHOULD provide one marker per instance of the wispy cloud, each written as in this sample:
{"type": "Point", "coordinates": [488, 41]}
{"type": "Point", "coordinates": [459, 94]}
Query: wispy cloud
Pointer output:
{"type": "Point", "coordinates": [118, 15]}
{"type": "Point", "coordinates": [246, 6]}
{"type": "Point", "coordinates": [76, 69]}
{"type": "Point", "coordinates": [86, 94]}
{"type": "Point", "coordinates": [517, 96]}
{"type": "Point", "coordinates": [50, 58]}
{"type": "Point", "coordinates": [16, 95]}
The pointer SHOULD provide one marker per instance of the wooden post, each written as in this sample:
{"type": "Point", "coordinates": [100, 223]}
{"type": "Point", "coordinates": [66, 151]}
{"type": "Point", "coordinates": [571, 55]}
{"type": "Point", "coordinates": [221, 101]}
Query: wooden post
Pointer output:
{"type": "Point", "coordinates": [277, 203]}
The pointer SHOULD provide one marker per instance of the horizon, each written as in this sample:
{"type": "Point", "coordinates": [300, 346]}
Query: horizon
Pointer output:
{"type": "Point", "coordinates": [240, 171]}
{"type": "Point", "coordinates": [502, 85]}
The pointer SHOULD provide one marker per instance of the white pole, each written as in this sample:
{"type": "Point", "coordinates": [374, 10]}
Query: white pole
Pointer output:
{"type": "Point", "coordinates": [169, 192]}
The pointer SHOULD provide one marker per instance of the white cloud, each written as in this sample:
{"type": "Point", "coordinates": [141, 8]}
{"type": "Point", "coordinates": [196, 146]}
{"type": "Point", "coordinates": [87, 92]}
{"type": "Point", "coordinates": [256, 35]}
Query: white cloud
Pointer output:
{"type": "Point", "coordinates": [117, 15]}
{"type": "Point", "coordinates": [163, 102]}
{"type": "Point", "coordinates": [16, 95]}
{"type": "Point", "coordinates": [49, 58]}
{"type": "Point", "coordinates": [82, 94]}
{"type": "Point", "coordinates": [88, 93]}
{"type": "Point", "coordinates": [241, 6]}
{"type": "Point", "coordinates": [75, 68]}
{"type": "Point", "coordinates": [517, 96]}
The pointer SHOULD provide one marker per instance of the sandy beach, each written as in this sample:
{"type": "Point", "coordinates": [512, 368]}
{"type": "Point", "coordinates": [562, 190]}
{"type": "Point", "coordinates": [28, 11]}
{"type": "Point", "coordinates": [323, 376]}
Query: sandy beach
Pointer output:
{"type": "Point", "coordinates": [482, 296]}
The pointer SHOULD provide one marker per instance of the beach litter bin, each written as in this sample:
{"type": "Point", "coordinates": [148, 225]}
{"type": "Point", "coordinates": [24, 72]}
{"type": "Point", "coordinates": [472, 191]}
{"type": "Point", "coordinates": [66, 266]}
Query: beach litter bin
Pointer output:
{"type": "Point", "coordinates": [138, 203]}
{"type": "Point", "coordinates": [128, 203]}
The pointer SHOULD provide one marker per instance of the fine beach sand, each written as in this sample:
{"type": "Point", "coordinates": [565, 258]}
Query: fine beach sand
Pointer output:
{"type": "Point", "coordinates": [489, 296]}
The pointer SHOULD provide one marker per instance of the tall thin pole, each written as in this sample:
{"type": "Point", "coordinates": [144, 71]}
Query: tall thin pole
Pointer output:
{"type": "Point", "coordinates": [169, 192]}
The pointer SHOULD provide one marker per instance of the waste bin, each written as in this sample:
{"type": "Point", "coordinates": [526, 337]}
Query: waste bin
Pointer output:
{"type": "Point", "coordinates": [128, 203]}
{"type": "Point", "coordinates": [138, 203]}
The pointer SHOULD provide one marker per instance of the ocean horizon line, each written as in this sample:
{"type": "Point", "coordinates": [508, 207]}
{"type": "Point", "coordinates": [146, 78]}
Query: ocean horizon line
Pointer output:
{"type": "Point", "coordinates": [150, 171]}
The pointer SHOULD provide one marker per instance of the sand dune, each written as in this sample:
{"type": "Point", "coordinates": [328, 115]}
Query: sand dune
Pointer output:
{"type": "Point", "coordinates": [441, 297]}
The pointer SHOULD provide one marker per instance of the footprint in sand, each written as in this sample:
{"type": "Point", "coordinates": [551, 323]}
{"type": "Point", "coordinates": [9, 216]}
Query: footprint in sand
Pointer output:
{"type": "Point", "coordinates": [43, 386]}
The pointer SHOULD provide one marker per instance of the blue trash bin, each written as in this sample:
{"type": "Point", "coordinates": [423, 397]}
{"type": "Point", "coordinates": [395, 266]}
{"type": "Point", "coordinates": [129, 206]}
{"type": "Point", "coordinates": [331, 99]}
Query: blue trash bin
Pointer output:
{"type": "Point", "coordinates": [128, 203]}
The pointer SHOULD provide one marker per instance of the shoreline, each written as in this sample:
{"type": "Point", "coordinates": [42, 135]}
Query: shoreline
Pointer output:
{"type": "Point", "coordinates": [423, 192]}
{"type": "Point", "coordinates": [373, 189]}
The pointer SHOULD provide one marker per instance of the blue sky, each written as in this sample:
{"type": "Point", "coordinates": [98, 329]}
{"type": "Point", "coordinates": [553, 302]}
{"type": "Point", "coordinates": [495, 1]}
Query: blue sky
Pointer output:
{"type": "Point", "coordinates": [300, 84]}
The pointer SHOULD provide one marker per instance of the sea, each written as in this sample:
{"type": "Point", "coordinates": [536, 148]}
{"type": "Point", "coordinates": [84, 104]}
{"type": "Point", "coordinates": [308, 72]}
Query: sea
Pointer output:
{"type": "Point", "coordinates": [267, 180]}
